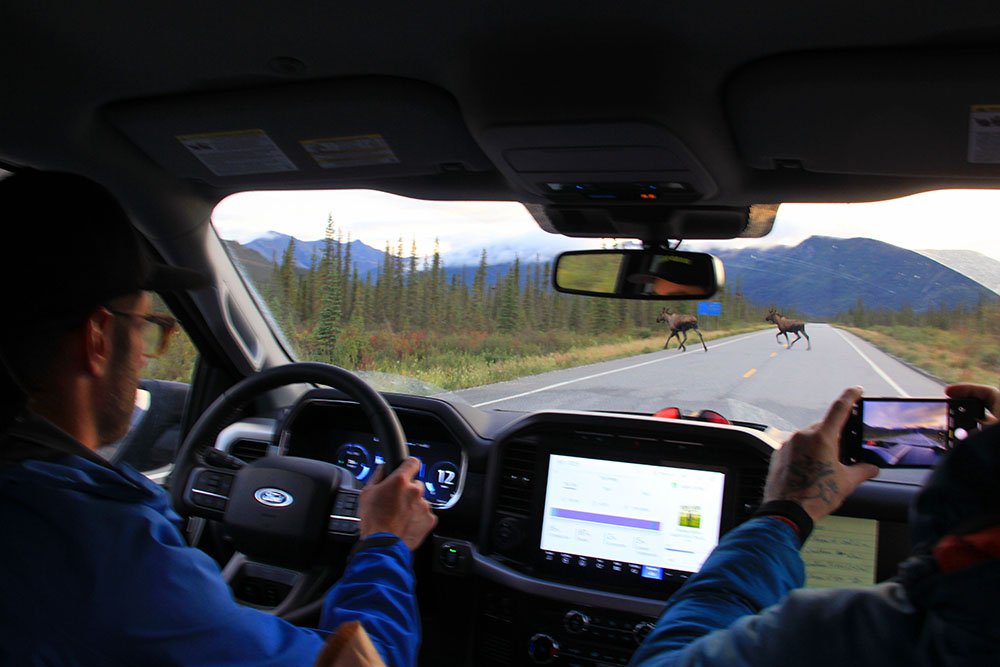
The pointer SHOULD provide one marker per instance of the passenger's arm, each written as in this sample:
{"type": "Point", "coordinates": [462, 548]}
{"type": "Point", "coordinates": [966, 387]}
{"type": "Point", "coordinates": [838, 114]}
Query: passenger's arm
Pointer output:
{"type": "Point", "coordinates": [758, 563]}
{"type": "Point", "coordinates": [753, 567]}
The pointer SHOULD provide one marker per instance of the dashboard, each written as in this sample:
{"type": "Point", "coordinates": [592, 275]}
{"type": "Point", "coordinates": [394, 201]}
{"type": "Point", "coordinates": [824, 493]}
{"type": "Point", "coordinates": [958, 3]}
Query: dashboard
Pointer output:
{"type": "Point", "coordinates": [562, 535]}
{"type": "Point", "coordinates": [335, 431]}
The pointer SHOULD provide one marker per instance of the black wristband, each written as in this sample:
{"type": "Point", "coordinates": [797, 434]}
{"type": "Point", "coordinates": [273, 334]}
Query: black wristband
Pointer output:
{"type": "Point", "coordinates": [790, 510]}
{"type": "Point", "coordinates": [373, 541]}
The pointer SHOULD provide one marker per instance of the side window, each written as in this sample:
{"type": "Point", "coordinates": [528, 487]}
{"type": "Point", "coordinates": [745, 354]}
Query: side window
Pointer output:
{"type": "Point", "coordinates": [151, 443]}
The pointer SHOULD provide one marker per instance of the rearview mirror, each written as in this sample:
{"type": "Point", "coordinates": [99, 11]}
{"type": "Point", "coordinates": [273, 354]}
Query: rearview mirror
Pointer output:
{"type": "Point", "coordinates": [639, 274]}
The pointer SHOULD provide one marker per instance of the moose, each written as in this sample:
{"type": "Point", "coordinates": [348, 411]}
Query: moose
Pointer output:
{"type": "Point", "coordinates": [785, 326]}
{"type": "Point", "coordinates": [680, 324]}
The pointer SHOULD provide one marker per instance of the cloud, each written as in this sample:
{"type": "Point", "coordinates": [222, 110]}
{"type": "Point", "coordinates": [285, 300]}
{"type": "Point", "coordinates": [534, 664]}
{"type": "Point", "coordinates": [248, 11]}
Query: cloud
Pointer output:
{"type": "Point", "coordinates": [943, 219]}
{"type": "Point", "coordinates": [460, 229]}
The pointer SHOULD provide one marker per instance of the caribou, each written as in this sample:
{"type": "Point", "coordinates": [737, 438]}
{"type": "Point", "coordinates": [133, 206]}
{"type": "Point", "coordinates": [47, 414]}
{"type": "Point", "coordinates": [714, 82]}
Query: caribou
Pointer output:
{"type": "Point", "coordinates": [785, 326]}
{"type": "Point", "coordinates": [680, 324]}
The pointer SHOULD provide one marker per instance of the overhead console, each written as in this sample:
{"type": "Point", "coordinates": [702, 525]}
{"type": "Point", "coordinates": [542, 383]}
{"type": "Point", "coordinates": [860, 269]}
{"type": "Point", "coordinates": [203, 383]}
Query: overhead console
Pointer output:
{"type": "Point", "coordinates": [606, 163]}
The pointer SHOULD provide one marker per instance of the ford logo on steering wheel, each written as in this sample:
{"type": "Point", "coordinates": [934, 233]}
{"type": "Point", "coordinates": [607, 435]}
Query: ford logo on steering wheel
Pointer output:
{"type": "Point", "coordinates": [273, 497]}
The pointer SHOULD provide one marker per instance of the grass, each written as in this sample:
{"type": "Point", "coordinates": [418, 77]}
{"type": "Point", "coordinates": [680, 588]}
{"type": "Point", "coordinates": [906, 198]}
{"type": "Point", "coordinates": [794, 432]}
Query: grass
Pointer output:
{"type": "Point", "coordinates": [951, 355]}
{"type": "Point", "coordinates": [460, 369]}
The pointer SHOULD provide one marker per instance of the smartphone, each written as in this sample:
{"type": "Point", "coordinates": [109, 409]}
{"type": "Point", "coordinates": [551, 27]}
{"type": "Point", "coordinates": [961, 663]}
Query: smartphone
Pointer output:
{"type": "Point", "coordinates": [908, 432]}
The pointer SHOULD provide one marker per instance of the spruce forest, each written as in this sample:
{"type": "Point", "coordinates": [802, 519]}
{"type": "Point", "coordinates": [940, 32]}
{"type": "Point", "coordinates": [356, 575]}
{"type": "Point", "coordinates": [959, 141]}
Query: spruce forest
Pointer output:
{"type": "Point", "coordinates": [411, 319]}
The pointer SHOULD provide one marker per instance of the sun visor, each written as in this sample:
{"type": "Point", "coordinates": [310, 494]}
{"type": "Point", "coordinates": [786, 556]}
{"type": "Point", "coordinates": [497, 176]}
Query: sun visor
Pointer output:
{"type": "Point", "coordinates": [874, 113]}
{"type": "Point", "coordinates": [315, 132]}
{"type": "Point", "coordinates": [612, 163]}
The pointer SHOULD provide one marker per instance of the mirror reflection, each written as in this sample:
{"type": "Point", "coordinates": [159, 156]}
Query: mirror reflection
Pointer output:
{"type": "Point", "coordinates": [639, 274]}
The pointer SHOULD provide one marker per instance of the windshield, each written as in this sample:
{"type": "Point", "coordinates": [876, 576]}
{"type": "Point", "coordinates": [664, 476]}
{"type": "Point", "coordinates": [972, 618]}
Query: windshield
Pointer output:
{"type": "Point", "coordinates": [899, 297]}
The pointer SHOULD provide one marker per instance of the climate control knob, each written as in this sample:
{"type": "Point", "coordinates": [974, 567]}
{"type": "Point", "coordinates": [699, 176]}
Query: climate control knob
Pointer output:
{"type": "Point", "coordinates": [543, 649]}
{"type": "Point", "coordinates": [576, 622]}
{"type": "Point", "coordinates": [640, 630]}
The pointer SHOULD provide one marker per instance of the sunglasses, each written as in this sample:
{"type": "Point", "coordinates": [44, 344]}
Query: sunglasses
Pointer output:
{"type": "Point", "coordinates": [157, 330]}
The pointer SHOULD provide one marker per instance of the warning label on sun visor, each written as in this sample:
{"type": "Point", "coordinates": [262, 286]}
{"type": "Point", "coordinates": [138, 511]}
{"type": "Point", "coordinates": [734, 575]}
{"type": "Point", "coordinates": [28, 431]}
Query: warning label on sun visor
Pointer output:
{"type": "Point", "coordinates": [361, 150]}
{"type": "Point", "coordinates": [984, 134]}
{"type": "Point", "coordinates": [237, 153]}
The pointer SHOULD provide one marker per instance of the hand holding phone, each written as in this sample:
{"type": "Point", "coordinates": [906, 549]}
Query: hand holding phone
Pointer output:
{"type": "Point", "coordinates": [907, 432]}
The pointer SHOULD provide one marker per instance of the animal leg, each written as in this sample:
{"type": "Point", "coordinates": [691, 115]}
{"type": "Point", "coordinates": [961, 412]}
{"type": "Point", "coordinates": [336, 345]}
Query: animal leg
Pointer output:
{"type": "Point", "coordinates": [809, 344]}
{"type": "Point", "coordinates": [682, 348]}
{"type": "Point", "coordinates": [777, 336]}
{"type": "Point", "coordinates": [698, 331]}
{"type": "Point", "coordinates": [787, 344]}
{"type": "Point", "coordinates": [672, 334]}
{"type": "Point", "coordinates": [797, 337]}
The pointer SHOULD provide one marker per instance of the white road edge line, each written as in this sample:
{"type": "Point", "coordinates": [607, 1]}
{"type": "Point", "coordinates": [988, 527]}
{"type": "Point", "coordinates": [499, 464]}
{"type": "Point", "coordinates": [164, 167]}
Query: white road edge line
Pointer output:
{"type": "Point", "coordinates": [871, 363]}
{"type": "Point", "coordinates": [614, 370]}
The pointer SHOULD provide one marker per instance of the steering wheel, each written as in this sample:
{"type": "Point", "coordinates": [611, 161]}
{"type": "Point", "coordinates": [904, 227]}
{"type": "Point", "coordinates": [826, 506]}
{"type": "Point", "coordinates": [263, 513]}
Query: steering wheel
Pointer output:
{"type": "Point", "coordinates": [279, 510]}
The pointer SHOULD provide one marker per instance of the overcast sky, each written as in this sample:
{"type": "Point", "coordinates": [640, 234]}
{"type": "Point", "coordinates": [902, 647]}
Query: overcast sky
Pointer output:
{"type": "Point", "coordinates": [956, 219]}
{"type": "Point", "coordinates": [906, 415]}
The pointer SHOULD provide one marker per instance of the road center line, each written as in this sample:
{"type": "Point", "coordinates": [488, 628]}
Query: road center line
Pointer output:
{"type": "Point", "coordinates": [750, 372]}
{"type": "Point", "coordinates": [614, 370]}
{"type": "Point", "coordinates": [874, 366]}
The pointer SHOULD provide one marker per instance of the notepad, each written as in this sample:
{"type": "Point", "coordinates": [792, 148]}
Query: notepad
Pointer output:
{"type": "Point", "coordinates": [841, 552]}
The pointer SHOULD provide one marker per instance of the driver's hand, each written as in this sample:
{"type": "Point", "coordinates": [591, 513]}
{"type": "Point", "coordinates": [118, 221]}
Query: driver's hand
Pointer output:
{"type": "Point", "coordinates": [988, 395]}
{"type": "Point", "coordinates": [807, 469]}
{"type": "Point", "coordinates": [395, 504]}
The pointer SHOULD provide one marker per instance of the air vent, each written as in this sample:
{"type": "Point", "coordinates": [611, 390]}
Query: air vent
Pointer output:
{"type": "Point", "coordinates": [249, 450]}
{"type": "Point", "coordinates": [517, 474]}
{"type": "Point", "coordinates": [496, 650]}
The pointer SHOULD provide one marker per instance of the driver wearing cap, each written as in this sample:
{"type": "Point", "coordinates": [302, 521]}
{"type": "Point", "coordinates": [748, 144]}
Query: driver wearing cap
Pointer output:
{"type": "Point", "coordinates": [675, 275]}
{"type": "Point", "coordinates": [97, 570]}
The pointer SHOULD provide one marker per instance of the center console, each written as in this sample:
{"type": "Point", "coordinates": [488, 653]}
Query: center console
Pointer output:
{"type": "Point", "coordinates": [589, 531]}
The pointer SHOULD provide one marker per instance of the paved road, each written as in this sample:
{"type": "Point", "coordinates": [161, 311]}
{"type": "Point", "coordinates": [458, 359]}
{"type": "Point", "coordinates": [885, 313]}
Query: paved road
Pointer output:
{"type": "Point", "coordinates": [748, 377]}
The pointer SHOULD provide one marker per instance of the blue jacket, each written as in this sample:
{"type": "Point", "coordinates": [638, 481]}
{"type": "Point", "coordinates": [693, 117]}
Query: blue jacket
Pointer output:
{"type": "Point", "coordinates": [96, 572]}
{"type": "Point", "coordinates": [742, 608]}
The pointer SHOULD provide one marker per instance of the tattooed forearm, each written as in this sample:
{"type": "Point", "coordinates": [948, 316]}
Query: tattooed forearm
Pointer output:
{"type": "Point", "coordinates": [810, 478]}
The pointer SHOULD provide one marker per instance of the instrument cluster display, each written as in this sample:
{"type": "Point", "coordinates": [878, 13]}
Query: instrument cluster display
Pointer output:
{"type": "Point", "coordinates": [440, 469]}
{"type": "Point", "coordinates": [339, 432]}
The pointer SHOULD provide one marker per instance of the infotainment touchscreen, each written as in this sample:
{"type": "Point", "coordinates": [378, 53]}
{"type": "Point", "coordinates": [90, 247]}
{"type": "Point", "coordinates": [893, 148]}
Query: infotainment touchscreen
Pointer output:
{"type": "Point", "coordinates": [621, 516]}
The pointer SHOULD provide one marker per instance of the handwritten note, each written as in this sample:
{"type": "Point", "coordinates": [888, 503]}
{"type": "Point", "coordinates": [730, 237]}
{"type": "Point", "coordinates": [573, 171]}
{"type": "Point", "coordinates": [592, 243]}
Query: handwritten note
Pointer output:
{"type": "Point", "coordinates": [841, 552]}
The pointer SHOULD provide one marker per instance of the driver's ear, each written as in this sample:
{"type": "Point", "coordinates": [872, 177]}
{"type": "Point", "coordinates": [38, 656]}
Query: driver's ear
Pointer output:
{"type": "Point", "coordinates": [95, 342]}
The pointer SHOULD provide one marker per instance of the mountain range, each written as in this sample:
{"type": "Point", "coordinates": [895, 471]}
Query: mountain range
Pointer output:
{"type": "Point", "coordinates": [820, 277]}
{"type": "Point", "coordinates": [823, 276]}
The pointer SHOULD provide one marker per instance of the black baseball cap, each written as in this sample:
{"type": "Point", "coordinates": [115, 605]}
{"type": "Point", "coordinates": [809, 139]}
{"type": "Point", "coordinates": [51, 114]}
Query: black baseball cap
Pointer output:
{"type": "Point", "coordinates": [67, 246]}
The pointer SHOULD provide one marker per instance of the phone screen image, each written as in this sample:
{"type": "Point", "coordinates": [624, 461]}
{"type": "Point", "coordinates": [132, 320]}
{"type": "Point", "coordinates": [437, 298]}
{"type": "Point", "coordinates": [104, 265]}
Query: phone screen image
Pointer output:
{"type": "Point", "coordinates": [906, 433]}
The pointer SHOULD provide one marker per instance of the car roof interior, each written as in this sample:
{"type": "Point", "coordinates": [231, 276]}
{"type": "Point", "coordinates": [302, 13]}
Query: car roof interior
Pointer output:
{"type": "Point", "coordinates": [721, 104]}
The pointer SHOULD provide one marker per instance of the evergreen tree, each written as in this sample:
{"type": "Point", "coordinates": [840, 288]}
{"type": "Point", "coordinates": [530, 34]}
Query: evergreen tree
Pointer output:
{"type": "Point", "coordinates": [288, 283]}
{"type": "Point", "coordinates": [509, 316]}
{"type": "Point", "coordinates": [330, 318]}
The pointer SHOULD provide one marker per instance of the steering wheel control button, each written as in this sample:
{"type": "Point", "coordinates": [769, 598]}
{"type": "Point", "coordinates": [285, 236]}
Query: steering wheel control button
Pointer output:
{"type": "Point", "coordinates": [344, 525]}
{"type": "Point", "coordinates": [215, 482]}
{"type": "Point", "coordinates": [346, 504]}
{"type": "Point", "coordinates": [543, 649]}
{"type": "Point", "coordinates": [344, 518]}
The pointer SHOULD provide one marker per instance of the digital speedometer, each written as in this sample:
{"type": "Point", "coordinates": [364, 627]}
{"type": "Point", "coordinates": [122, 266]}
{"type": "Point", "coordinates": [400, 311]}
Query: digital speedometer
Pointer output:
{"type": "Point", "coordinates": [441, 482]}
{"type": "Point", "coordinates": [355, 458]}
